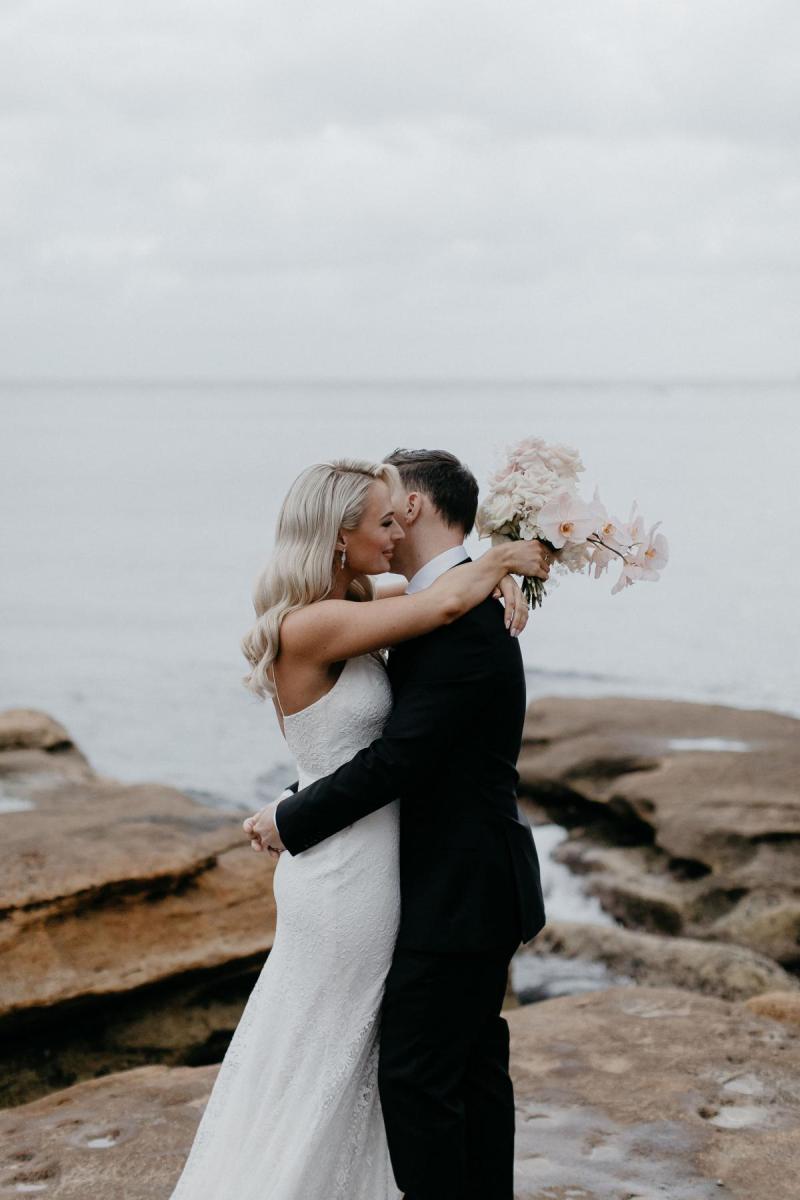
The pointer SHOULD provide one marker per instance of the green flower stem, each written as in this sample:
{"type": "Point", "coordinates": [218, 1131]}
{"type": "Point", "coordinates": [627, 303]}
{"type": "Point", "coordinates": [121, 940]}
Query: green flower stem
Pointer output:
{"type": "Point", "coordinates": [533, 588]}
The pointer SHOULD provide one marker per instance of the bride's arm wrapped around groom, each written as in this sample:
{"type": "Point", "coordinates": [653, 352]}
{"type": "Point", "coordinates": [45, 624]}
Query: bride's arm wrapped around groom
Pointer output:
{"type": "Point", "coordinates": [449, 752]}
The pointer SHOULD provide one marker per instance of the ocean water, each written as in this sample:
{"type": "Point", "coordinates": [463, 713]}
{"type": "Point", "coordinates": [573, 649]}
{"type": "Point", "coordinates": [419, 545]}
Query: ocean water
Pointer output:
{"type": "Point", "coordinates": [136, 517]}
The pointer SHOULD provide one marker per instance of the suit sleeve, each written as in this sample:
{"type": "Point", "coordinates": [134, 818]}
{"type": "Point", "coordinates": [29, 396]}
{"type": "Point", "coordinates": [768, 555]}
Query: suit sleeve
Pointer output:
{"type": "Point", "coordinates": [442, 696]}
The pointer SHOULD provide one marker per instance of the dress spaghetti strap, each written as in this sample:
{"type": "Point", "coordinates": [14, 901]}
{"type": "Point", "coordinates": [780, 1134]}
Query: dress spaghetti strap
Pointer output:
{"type": "Point", "coordinates": [274, 682]}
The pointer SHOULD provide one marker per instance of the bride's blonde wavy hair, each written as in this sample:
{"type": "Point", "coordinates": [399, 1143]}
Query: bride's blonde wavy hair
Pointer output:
{"type": "Point", "coordinates": [323, 500]}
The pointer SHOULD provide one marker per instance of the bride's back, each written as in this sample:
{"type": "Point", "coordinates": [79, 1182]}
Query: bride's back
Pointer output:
{"type": "Point", "coordinates": [333, 728]}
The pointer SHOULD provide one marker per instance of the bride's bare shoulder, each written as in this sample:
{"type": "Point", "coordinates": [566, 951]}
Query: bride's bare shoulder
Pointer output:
{"type": "Point", "coordinates": [329, 631]}
{"type": "Point", "coordinates": [312, 619]}
{"type": "Point", "coordinates": [308, 624]}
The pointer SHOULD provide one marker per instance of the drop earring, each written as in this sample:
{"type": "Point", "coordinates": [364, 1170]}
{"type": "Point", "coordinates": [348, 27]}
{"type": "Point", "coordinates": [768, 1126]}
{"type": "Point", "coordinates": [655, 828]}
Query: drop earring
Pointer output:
{"type": "Point", "coordinates": [343, 558]}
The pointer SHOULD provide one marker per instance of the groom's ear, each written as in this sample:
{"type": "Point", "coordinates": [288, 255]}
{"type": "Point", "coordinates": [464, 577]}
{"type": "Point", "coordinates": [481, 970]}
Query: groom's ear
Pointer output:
{"type": "Point", "coordinates": [413, 507]}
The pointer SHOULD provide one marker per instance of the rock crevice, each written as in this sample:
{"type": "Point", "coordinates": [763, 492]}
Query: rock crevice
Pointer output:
{"type": "Point", "coordinates": [684, 818]}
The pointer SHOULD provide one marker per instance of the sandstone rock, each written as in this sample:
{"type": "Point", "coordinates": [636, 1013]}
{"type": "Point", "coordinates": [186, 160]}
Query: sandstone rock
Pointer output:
{"type": "Point", "coordinates": [712, 968]}
{"type": "Point", "coordinates": [639, 1093]}
{"type": "Point", "coordinates": [28, 729]}
{"type": "Point", "coordinates": [185, 1020]}
{"type": "Point", "coordinates": [781, 1006]}
{"type": "Point", "coordinates": [107, 888]}
{"type": "Point", "coordinates": [685, 817]}
{"type": "Point", "coordinates": [124, 1136]}
{"type": "Point", "coordinates": [624, 1093]}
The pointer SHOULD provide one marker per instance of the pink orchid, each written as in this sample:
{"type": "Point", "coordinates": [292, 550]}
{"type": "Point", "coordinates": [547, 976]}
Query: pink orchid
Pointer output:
{"type": "Point", "coordinates": [634, 530]}
{"type": "Point", "coordinates": [601, 557]}
{"type": "Point", "coordinates": [567, 518]}
{"type": "Point", "coordinates": [630, 572]}
{"type": "Point", "coordinates": [650, 557]}
{"type": "Point", "coordinates": [611, 530]}
{"type": "Point", "coordinates": [655, 554]}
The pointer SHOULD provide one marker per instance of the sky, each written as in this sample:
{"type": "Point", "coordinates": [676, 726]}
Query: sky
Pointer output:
{"type": "Point", "coordinates": [576, 189]}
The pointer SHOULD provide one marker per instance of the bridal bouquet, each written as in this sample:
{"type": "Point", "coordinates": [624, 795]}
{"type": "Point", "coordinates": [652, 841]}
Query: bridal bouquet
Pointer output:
{"type": "Point", "coordinates": [535, 495]}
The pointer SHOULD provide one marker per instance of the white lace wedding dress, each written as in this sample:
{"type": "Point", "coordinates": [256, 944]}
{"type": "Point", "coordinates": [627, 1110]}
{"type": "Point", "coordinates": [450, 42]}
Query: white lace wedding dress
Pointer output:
{"type": "Point", "coordinates": [295, 1112]}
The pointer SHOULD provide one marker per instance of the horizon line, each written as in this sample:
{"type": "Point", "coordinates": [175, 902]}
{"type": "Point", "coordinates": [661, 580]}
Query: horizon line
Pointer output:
{"type": "Point", "coordinates": [392, 380]}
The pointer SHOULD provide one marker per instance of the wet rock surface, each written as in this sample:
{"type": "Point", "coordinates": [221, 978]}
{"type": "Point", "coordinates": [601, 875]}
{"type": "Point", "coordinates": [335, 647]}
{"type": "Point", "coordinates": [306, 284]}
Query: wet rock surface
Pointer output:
{"type": "Point", "coordinates": [106, 892]}
{"type": "Point", "coordinates": [631, 1092]}
{"type": "Point", "coordinates": [684, 818]}
{"type": "Point", "coordinates": [637, 1092]}
{"type": "Point", "coordinates": [542, 976]}
{"type": "Point", "coordinates": [712, 968]}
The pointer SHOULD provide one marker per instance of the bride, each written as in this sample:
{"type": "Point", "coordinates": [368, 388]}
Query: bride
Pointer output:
{"type": "Point", "coordinates": [295, 1112]}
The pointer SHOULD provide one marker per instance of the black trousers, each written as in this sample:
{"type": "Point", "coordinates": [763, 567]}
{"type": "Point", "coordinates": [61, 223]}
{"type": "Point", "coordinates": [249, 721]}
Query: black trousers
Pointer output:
{"type": "Point", "coordinates": [447, 1099]}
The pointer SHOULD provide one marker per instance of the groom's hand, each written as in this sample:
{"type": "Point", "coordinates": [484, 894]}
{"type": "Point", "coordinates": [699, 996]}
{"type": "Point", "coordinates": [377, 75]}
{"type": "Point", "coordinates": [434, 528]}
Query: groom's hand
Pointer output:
{"type": "Point", "coordinates": [263, 832]}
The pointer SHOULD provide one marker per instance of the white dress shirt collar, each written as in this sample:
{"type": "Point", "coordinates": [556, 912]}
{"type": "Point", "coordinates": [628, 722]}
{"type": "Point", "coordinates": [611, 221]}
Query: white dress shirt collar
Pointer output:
{"type": "Point", "coordinates": [435, 567]}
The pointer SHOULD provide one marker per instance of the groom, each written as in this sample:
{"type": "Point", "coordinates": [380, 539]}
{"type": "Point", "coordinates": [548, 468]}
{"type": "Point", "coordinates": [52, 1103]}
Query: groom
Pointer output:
{"type": "Point", "coordinates": [469, 872]}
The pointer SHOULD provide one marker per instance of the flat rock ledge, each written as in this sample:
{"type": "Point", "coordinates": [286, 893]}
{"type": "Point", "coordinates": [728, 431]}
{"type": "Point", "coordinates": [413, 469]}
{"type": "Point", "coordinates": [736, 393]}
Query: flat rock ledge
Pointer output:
{"type": "Point", "coordinates": [110, 892]}
{"type": "Point", "coordinates": [711, 968]}
{"type": "Point", "coordinates": [627, 1093]}
{"type": "Point", "coordinates": [684, 818]}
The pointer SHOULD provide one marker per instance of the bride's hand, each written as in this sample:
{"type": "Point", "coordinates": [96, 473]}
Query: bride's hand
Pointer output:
{"type": "Point", "coordinates": [516, 605]}
{"type": "Point", "coordinates": [527, 557]}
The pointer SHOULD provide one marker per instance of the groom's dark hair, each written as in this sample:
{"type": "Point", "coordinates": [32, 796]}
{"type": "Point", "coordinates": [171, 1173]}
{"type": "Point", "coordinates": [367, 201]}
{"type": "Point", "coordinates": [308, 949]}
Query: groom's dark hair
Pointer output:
{"type": "Point", "coordinates": [448, 484]}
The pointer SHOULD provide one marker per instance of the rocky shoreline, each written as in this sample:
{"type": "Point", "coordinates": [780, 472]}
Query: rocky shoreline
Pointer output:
{"type": "Point", "coordinates": [683, 818]}
{"type": "Point", "coordinates": [135, 920]}
{"type": "Point", "coordinates": [629, 1092]}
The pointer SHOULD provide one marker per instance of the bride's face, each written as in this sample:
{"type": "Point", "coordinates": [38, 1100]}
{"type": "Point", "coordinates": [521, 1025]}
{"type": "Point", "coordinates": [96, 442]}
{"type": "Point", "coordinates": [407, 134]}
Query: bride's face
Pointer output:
{"type": "Point", "coordinates": [370, 546]}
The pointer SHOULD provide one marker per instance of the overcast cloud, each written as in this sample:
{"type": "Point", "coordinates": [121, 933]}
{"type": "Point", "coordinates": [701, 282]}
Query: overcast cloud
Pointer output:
{"type": "Point", "coordinates": [237, 188]}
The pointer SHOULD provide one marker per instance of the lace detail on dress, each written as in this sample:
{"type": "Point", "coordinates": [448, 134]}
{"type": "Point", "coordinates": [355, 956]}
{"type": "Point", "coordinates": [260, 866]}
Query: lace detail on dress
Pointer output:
{"type": "Point", "coordinates": [355, 1151]}
{"type": "Point", "coordinates": [358, 1153]}
{"type": "Point", "coordinates": [352, 714]}
{"type": "Point", "coordinates": [295, 1112]}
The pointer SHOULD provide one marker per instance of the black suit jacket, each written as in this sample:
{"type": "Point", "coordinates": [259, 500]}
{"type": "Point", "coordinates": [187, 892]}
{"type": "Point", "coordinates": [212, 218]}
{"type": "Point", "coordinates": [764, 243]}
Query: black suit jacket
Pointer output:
{"type": "Point", "coordinates": [469, 871]}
